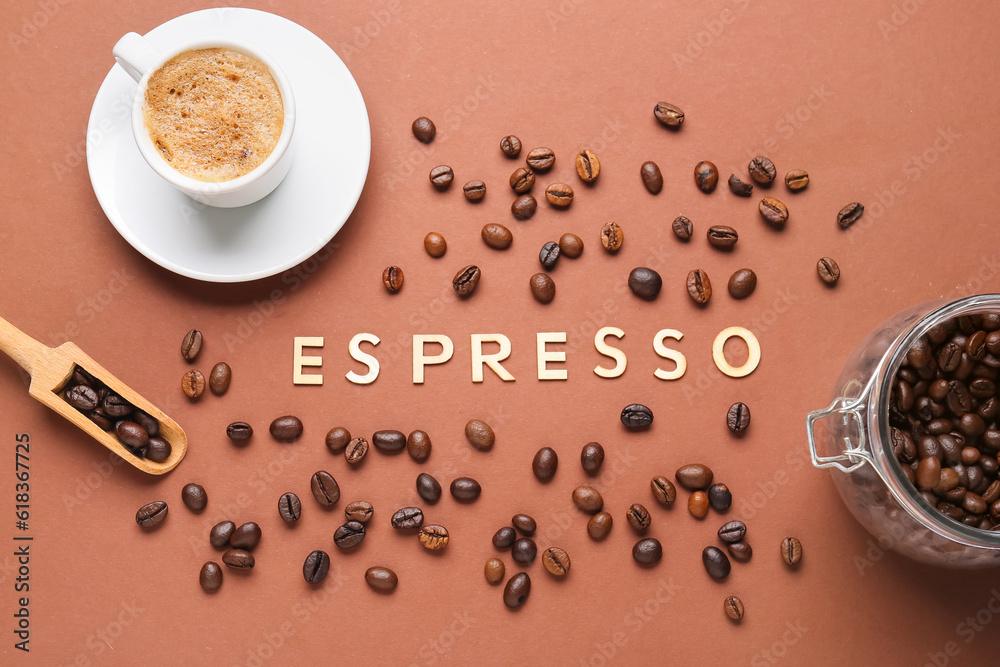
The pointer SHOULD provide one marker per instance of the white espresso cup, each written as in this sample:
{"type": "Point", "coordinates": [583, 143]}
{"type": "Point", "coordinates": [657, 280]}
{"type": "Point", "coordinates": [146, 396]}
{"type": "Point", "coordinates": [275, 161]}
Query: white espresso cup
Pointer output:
{"type": "Point", "coordinates": [137, 56]}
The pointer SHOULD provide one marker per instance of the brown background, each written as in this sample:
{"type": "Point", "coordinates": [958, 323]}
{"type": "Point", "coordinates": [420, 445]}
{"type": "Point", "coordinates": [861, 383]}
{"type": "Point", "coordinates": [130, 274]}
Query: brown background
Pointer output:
{"type": "Point", "coordinates": [893, 104]}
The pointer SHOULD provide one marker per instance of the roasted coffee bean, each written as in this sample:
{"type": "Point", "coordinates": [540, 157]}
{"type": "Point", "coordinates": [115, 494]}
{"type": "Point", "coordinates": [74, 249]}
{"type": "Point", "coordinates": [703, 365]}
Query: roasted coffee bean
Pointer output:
{"type": "Point", "coordinates": [540, 159]}
{"type": "Point", "coordinates": [98, 417]}
{"type": "Point", "coordinates": [796, 180]}
{"type": "Point", "coordinates": [682, 227]}
{"type": "Point", "coordinates": [663, 490]}
{"type": "Point", "coordinates": [722, 236]}
{"type": "Point", "coordinates": [669, 115]}
{"type": "Point", "coordinates": [240, 433]}
{"type": "Point", "coordinates": [612, 237]}
{"type": "Point", "coordinates": [511, 146]}
{"type": "Point", "coordinates": [524, 207]}
{"type": "Point", "coordinates": [81, 397]}
{"type": "Point", "coordinates": [418, 445]}
{"type": "Point", "coordinates": [238, 559]}
{"type": "Point", "coordinates": [526, 524]}
{"type": "Point", "coordinates": [381, 579]}
{"type": "Point", "coordinates": [474, 190]}
{"type": "Point", "coordinates": [542, 287]}
{"type": "Point", "coordinates": [791, 551]}
{"type": "Point", "coordinates": [734, 607]}
{"type": "Point", "coordinates": [115, 406]}
{"type": "Point", "coordinates": [694, 476]}
{"type": "Point", "coordinates": [588, 499]}
{"type": "Point", "coordinates": [151, 514]}
{"type": "Point", "coordinates": [407, 518]}
{"type": "Point", "coordinates": [191, 345]}
{"type": "Point", "coordinates": [504, 538]}
{"type": "Point", "coordinates": [828, 270]}
{"type": "Point", "coordinates": [738, 187]}
{"type": "Point", "coordinates": [556, 561]}
{"type": "Point", "coordinates": [324, 488]}
{"type": "Point", "coordinates": [850, 214]}
{"type": "Point", "coordinates": [220, 378]}
{"type": "Point", "coordinates": [428, 488]}
{"type": "Point", "coordinates": [716, 563]}
{"type": "Point", "coordinates": [289, 507]}
{"type": "Point", "coordinates": [158, 450]}
{"type": "Point", "coordinates": [698, 504]}
{"type": "Point", "coordinates": [774, 212]}
{"type": "Point", "coordinates": [762, 170]}
{"type": "Point", "coordinates": [571, 245]}
{"type": "Point", "coordinates": [742, 283]}
{"type": "Point", "coordinates": [286, 429]}
{"type": "Point", "coordinates": [194, 497]}
{"type": "Point", "coordinates": [636, 416]}
{"type": "Point", "coordinates": [592, 458]}
{"type": "Point", "coordinates": [522, 180]}
{"type": "Point", "coordinates": [559, 195]}
{"type": "Point", "coordinates": [337, 439]}
{"type": "Point", "coordinates": [356, 450]}
{"type": "Point", "coordinates": [706, 176]}
{"type": "Point", "coordinates": [435, 244]}
{"type": "Point", "coordinates": [193, 384]}
{"type": "Point", "coordinates": [131, 434]}
{"type": "Point", "coordinates": [733, 531]}
{"type": "Point", "coordinates": [588, 167]}
{"type": "Point", "coordinates": [638, 517]}
{"type": "Point", "coordinates": [516, 592]}
{"type": "Point", "coordinates": [466, 280]}
{"type": "Point", "coordinates": [699, 287]}
{"type": "Point", "coordinates": [247, 536]}
{"type": "Point", "coordinates": [210, 577]}
{"type": "Point", "coordinates": [740, 551]}
{"type": "Point", "coordinates": [549, 255]}
{"type": "Point", "coordinates": [392, 278]}
{"type": "Point", "coordinates": [359, 510]}
{"type": "Point", "coordinates": [719, 497]}
{"type": "Point", "coordinates": [465, 489]}
{"type": "Point", "coordinates": [442, 176]}
{"type": "Point", "coordinates": [647, 551]}
{"type": "Point", "coordinates": [651, 177]}
{"type": "Point", "coordinates": [389, 441]}
{"type": "Point", "coordinates": [219, 536]}
{"type": "Point", "coordinates": [544, 464]}
{"type": "Point", "coordinates": [424, 130]}
{"type": "Point", "coordinates": [738, 418]}
{"type": "Point", "coordinates": [349, 535]}
{"type": "Point", "coordinates": [599, 525]}
{"type": "Point", "coordinates": [645, 283]}
{"type": "Point", "coordinates": [317, 565]}
{"type": "Point", "coordinates": [494, 571]}
{"type": "Point", "coordinates": [496, 236]}
{"type": "Point", "coordinates": [523, 550]}
{"type": "Point", "coordinates": [433, 537]}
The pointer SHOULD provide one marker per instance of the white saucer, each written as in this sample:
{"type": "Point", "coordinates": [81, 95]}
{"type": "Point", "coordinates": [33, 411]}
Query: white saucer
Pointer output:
{"type": "Point", "coordinates": [332, 146]}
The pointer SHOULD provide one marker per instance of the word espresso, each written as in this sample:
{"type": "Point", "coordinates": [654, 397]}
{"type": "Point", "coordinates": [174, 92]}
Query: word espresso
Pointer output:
{"type": "Point", "coordinates": [445, 349]}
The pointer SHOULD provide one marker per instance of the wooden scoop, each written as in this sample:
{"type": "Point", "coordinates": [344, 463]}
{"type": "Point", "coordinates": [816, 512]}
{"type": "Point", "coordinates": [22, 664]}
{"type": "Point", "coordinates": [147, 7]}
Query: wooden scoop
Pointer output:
{"type": "Point", "coordinates": [51, 369]}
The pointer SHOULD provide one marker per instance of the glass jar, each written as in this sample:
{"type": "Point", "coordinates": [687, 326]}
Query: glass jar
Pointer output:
{"type": "Point", "coordinates": [855, 443]}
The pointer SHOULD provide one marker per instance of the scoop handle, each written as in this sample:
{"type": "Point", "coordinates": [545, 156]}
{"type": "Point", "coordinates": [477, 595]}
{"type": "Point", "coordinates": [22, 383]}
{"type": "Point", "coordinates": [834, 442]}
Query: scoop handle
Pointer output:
{"type": "Point", "coordinates": [22, 348]}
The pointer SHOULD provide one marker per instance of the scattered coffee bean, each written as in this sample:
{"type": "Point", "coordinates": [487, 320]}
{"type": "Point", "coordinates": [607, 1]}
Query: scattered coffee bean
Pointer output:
{"type": "Point", "coordinates": [742, 283]}
{"type": "Point", "coordinates": [220, 378]}
{"type": "Point", "coordinates": [669, 115]}
{"type": "Point", "coordinates": [549, 255]}
{"type": "Point", "coordinates": [796, 180]}
{"type": "Point", "coordinates": [428, 488]}
{"type": "Point", "coordinates": [828, 270]}
{"type": "Point", "coordinates": [194, 497]}
{"type": "Point", "coordinates": [612, 237]}
{"type": "Point", "coordinates": [588, 167]}
{"type": "Point", "coordinates": [132, 436]}
{"type": "Point", "coordinates": [706, 176]}
{"type": "Point", "coordinates": [435, 244]}
{"type": "Point", "coordinates": [542, 287]}
{"type": "Point", "coordinates": [238, 559]}
{"type": "Point", "coordinates": [720, 497]}
{"type": "Point", "coordinates": [544, 464]}
{"type": "Point", "coordinates": [850, 214]}
{"type": "Point", "coordinates": [240, 433]}
{"type": "Point", "coordinates": [733, 531]}
{"type": "Point", "coordinates": [511, 146]}
{"type": "Point", "coordinates": [738, 187]}
{"type": "Point", "coordinates": [647, 551]}
{"type": "Point", "coordinates": [526, 524]}
{"type": "Point", "coordinates": [360, 511]}
{"type": "Point", "coordinates": [392, 278]}
{"type": "Point", "coordinates": [494, 571]}
{"type": "Point", "coordinates": [738, 418]}
{"type": "Point", "coordinates": [592, 458]}
{"type": "Point", "coordinates": [158, 450]}
{"type": "Point", "coordinates": [699, 287]}
{"type": "Point", "coordinates": [191, 345]}
{"type": "Point", "coordinates": [210, 577]}
{"type": "Point", "coordinates": [651, 176]}
{"type": "Point", "coordinates": [523, 550]}
{"type": "Point", "coordinates": [682, 227]}
{"type": "Point", "coordinates": [556, 561]}
{"type": "Point", "coordinates": [466, 280]}
{"type": "Point", "coordinates": [433, 537]}
{"type": "Point", "coordinates": [540, 159]}
{"type": "Point", "coordinates": [734, 607]}
{"type": "Point", "coordinates": [791, 551]}
{"type": "Point", "coordinates": [324, 488]}
{"type": "Point", "coordinates": [219, 536]}
{"type": "Point", "coordinates": [349, 535]}
{"type": "Point", "coordinates": [424, 129]}
{"type": "Point", "coordinates": [356, 450]}
{"type": "Point", "coordinates": [524, 207]}
{"type": "Point", "coordinates": [337, 439]}
{"type": "Point", "coordinates": [694, 476]}
{"type": "Point", "coordinates": [571, 245]}
{"type": "Point", "coordinates": [474, 190]}
{"type": "Point", "coordinates": [442, 176]}
{"type": "Point", "coordinates": [418, 445]}
{"type": "Point", "coordinates": [504, 538]}
{"type": "Point", "coordinates": [465, 489]}
{"type": "Point", "coordinates": [762, 170]}
{"type": "Point", "coordinates": [636, 416]}
{"type": "Point", "coordinates": [286, 429]}
{"type": "Point", "coordinates": [316, 566]}
{"type": "Point", "coordinates": [193, 384]}
{"type": "Point", "coordinates": [774, 212]}
{"type": "Point", "coordinates": [740, 551]}
{"type": "Point", "coordinates": [407, 518]}
{"type": "Point", "coordinates": [515, 593]}
{"type": "Point", "coordinates": [496, 236]}
{"type": "Point", "coordinates": [389, 441]}
{"type": "Point", "coordinates": [151, 514]}
{"type": "Point", "coordinates": [289, 507]}
{"type": "Point", "coordinates": [645, 283]}
{"type": "Point", "coordinates": [559, 195]}
{"type": "Point", "coordinates": [638, 517]}
{"type": "Point", "coordinates": [247, 536]}
{"type": "Point", "coordinates": [722, 236]}
{"type": "Point", "coordinates": [599, 525]}
{"type": "Point", "coordinates": [663, 490]}
{"type": "Point", "coordinates": [588, 499]}
{"type": "Point", "coordinates": [522, 180]}
{"type": "Point", "coordinates": [698, 504]}
{"type": "Point", "coordinates": [480, 434]}
{"type": "Point", "coordinates": [716, 563]}
{"type": "Point", "coordinates": [381, 579]}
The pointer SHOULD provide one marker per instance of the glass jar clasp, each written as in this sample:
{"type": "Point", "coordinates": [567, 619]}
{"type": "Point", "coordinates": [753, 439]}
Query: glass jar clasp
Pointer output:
{"type": "Point", "coordinates": [854, 454]}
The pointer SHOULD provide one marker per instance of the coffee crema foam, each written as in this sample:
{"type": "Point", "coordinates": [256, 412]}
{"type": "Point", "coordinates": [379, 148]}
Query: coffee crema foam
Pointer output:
{"type": "Point", "coordinates": [213, 114]}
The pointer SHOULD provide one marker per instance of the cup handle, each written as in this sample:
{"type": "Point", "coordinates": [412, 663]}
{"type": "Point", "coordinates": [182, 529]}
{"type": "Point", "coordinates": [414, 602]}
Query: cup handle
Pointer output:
{"type": "Point", "coordinates": [854, 455]}
{"type": "Point", "coordinates": [135, 54]}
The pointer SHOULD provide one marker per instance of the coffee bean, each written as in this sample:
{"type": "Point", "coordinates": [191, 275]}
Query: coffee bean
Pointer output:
{"type": "Point", "coordinates": [522, 180]}
{"type": "Point", "coordinates": [247, 536]}
{"type": "Point", "coordinates": [544, 464]}
{"type": "Point", "coordinates": [716, 563]}
{"type": "Point", "coordinates": [98, 417]}
{"type": "Point", "coordinates": [638, 517]}
{"type": "Point", "coordinates": [850, 214]}
{"type": "Point", "coordinates": [699, 287]}
{"type": "Point", "coordinates": [669, 115]}
{"type": "Point", "coordinates": [559, 195]}
{"type": "Point", "coordinates": [523, 550]}
{"type": "Point", "coordinates": [791, 551]}
{"type": "Point", "coordinates": [738, 418]}
{"type": "Point", "coordinates": [433, 537]}
{"type": "Point", "coordinates": [389, 441]}
{"type": "Point", "coordinates": [796, 180]}
{"type": "Point", "coordinates": [542, 287]}
{"type": "Point", "coordinates": [474, 190]}
{"type": "Point", "coordinates": [734, 607]}
{"type": "Point", "coordinates": [647, 551]}
{"type": "Point", "coordinates": [131, 434]}
{"type": "Point", "coordinates": [428, 488]}
{"type": "Point", "coordinates": [526, 524]}
{"type": "Point", "coordinates": [238, 559]}
{"type": "Point", "coordinates": [147, 422]}
{"type": "Point", "coordinates": [663, 490]}
{"type": "Point", "coordinates": [116, 406]}
{"type": "Point", "coordinates": [337, 439]}
{"type": "Point", "coordinates": [549, 255]}
{"type": "Point", "coordinates": [316, 566]}
{"type": "Point", "coordinates": [733, 531]}
{"type": "Point", "coordinates": [465, 489]}
{"type": "Point", "coordinates": [706, 176]}
{"type": "Point", "coordinates": [193, 384]}
{"type": "Point", "coordinates": [722, 236]}
{"type": "Point", "coordinates": [762, 170]}
{"type": "Point", "coordinates": [599, 525]}
{"type": "Point", "coordinates": [571, 245]}
{"type": "Point", "coordinates": [740, 551]}
{"type": "Point", "coordinates": [682, 227]}
{"type": "Point", "coordinates": [504, 538]}
{"type": "Point", "coordinates": [480, 434]}
{"type": "Point", "coordinates": [349, 535]}
{"type": "Point", "coordinates": [524, 207]}
{"type": "Point", "coordinates": [442, 176]}
{"type": "Point", "coordinates": [698, 504]}
{"type": "Point", "coordinates": [191, 345]}
{"type": "Point", "coordinates": [194, 497]}
{"type": "Point", "coordinates": [286, 429]}
{"type": "Point", "coordinates": [392, 278]}
{"type": "Point", "coordinates": [466, 280]}
{"type": "Point", "coordinates": [738, 187]}
{"type": "Point", "coordinates": [694, 476]}
{"type": "Point", "coordinates": [356, 450]}
{"type": "Point", "coordinates": [588, 167]}
{"type": "Point", "coordinates": [81, 397]}
{"type": "Point", "coordinates": [612, 237]}
{"type": "Point", "coordinates": [592, 458]}
{"type": "Point", "coordinates": [219, 536]}
{"type": "Point", "coordinates": [556, 561]}
{"type": "Point", "coordinates": [511, 146]}
{"type": "Point", "coordinates": [151, 514]}
{"type": "Point", "coordinates": [742, 283]}
{"type": "Point", "coordinates": [515, 593]}
{"type": "Point", "coordinates": [424, 130]}
{"type": "Point", "coordinates": [645, 283]}
{"type": "Point", "coordinates": [828, 270]}
{"type": "Point", "coordinates": [418, 446]}
{"type": "Point", "coordinates": [636, 416]}
{"type": "Point", "coordinates": [381, 579]}
{"type": "Point", "coordinates": [360, 511]}
{"type": "Point", "coordinates": [435, 244]}
{"type": "Point", "coordinates": [588, 499]}
{"type": "Point", "coordinates": [651, 176]}
{"type": "Point", "coordinates": [407, 518]}
{"type": "Point", "coordinates": [220, 378]}
{"type": "Point", "coordinates": [494, 571]}
{"type": "Point", "coordinates": [720, 497]}
{"type": "Point", "coordinates": [540, 159]}
{"type": "Point", "coordinates": [240, 433]}
{"type": "Point", "coordinates": [774, 212]}
{"type": "Point", "coordinates": [324, 488]}
{"type": "Point", "coordinates": [496, 236]}
{"type": "Point", "coordinates": [210, 577]}
{"type": "Point", "coordinates": [289, 507]}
